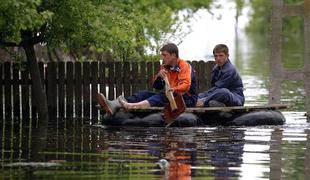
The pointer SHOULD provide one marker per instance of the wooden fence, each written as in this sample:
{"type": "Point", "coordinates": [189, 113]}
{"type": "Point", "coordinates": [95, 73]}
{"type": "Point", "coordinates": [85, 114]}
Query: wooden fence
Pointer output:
{"type": "Point", "coordinates": [72, 87]}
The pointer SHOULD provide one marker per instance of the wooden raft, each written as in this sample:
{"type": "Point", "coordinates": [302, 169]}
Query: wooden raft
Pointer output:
{"type": "Point", "coordinates": [233, 109]}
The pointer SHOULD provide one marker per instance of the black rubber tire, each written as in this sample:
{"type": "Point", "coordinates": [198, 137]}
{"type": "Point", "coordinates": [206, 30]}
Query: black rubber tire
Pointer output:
{"type": "Point", "coordinates": [259, 118]}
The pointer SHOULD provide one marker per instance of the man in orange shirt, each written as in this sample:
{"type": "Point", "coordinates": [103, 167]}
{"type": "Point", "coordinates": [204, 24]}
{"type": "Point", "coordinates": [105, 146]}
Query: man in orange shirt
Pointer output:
{"type": "Point", "coordinates": [180, 75]}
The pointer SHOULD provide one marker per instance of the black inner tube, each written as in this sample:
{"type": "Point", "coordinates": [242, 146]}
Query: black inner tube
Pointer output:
{"type": "Point", "coordinates": [262, 117]}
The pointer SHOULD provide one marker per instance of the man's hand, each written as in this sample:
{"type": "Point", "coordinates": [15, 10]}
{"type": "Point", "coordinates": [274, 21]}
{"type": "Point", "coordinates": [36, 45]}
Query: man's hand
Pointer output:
{"type": "Point", "coordinates": [169, 90]}
{"type": "Point", "coordinates": [162, 73]}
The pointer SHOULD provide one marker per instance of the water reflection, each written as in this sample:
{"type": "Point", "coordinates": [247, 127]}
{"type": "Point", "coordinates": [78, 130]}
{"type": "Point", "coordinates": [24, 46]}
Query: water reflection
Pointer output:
{"type": "Point", "coordinates": [70, 149]}
{"type": "Point", "coordinates": [253, 65]}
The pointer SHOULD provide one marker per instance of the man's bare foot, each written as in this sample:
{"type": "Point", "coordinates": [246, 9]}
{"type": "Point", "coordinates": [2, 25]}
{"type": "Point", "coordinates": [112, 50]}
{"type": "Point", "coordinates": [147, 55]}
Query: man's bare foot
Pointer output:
{"type": "Point", "coordinates": [200, 103]}
{"type": "Point", "coordinates": [123, 102]}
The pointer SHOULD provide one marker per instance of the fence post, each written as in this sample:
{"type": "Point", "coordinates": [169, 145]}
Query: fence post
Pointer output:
{"type": "Point", "coordinates": [111, 80]}
{"type": "Point", "coordinates": [52, 89]}
{"type": "Point", "coordinates": [7, 91]}
{"type": "Point", "coordinates": [25, 93]}
{"type": "Point", "coordinates": [78, 89]}
{"type": "Point", "coordinates": [94, 89]}
{"type": "Point", "coordinates": [86, 90]}
{"type": "Point", "coordinates": [69, 90]}
{"type": "Point", "coordinates": [61, 89]}
{"type": "Point", "coordinates": [1, 91]}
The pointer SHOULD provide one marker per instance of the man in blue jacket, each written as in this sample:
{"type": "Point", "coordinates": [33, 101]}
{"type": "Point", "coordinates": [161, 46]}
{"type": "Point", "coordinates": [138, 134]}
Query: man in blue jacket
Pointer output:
{"type": "Point", "coordinates": [226, 84]}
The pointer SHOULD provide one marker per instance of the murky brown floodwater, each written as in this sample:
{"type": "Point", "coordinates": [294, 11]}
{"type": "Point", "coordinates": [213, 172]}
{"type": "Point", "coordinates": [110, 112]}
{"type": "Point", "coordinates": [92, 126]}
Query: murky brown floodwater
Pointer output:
{"type": "Point", "coordinates": [69, 150]}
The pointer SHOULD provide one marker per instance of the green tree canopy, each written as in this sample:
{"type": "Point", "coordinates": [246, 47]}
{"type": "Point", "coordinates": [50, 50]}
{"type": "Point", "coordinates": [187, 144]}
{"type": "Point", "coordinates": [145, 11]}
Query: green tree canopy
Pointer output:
{"type": "Point", "coordinates": [124, 27]}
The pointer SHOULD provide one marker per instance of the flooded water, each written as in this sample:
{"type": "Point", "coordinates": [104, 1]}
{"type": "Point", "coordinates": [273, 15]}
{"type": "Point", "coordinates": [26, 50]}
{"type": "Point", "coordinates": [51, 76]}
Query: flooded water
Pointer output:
{"type": "Point", "coordinates": [68, 149]}
{"type": "Point", "coordinates": [74, 149]}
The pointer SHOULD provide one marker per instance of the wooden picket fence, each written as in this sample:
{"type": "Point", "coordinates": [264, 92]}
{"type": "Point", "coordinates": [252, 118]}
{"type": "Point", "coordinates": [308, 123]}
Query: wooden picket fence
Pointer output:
{"type": "Point", "coordinates": [72, 87]}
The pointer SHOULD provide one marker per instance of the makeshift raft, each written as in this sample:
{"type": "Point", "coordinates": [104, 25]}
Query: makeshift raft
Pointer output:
{"type": "Point", "coordinates": [224, 116]}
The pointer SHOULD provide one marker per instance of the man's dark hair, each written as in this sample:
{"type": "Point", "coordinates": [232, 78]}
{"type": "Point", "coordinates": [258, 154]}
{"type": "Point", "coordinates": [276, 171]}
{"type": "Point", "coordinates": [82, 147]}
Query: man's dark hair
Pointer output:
{"type": "Point", "coordinates": [171, 49]}
{"type": "Point", "coordinates": [221, 48]}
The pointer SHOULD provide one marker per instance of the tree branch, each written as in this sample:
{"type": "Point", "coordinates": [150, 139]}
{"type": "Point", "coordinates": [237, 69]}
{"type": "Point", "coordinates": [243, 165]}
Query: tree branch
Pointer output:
{"type": "Point", "coordinates": [28, 38]}
{"type": "Point", "coordinates": [9, 44]}
{"type": "Point", "coordinates": [37, 39]}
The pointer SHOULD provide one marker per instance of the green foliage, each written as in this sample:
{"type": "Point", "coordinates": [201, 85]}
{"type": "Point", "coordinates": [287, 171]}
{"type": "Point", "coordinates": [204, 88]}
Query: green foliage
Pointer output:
{"type": "Point", "coordinates": [18, 15]}
{"type": "Point", "coordinates": [292, 31]}
{"type": "Point", "coordinates": [124, 27]}
{"type": "Point", "coordinates": [293, 42]}
{"type": "Point", "coordinates": [239, 6]}
{"type": "Point", "coordinates": [260, 18]}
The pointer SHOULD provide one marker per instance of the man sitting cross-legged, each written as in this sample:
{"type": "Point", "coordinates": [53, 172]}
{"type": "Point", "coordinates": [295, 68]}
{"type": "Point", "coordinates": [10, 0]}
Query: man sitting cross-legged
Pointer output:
{"type": "Point", "coordinates": [226, 83]}
{"type": "Point", "coordinates": [181, 78]}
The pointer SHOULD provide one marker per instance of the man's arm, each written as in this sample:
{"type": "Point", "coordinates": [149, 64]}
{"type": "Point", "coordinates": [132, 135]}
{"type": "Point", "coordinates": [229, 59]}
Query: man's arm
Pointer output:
{"type": "Point", "coordinates": [184, 77]}
{"type": "Point", "coordinates": [158, 82]}
{"type": "Point", "coordinates": [226, 80]}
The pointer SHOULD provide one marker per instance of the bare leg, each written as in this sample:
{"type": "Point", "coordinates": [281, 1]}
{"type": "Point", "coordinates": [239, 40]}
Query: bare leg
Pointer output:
{"type": "Point", "coordinates": [127, 106]}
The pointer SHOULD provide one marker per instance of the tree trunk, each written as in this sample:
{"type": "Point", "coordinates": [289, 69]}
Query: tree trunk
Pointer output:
{"type": "Point", "coordinates": [37, 85]}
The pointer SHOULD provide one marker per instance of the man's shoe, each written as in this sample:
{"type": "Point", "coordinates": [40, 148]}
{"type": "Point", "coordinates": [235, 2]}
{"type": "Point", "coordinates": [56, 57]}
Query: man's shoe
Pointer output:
{"type": "Point", "coordinates": [214, 103]}
{"type": "Point", "coordinates": [110, 107]}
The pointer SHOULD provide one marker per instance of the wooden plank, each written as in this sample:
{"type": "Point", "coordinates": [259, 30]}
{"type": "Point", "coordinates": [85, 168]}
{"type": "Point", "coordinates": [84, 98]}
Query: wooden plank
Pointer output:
{"type": "Point", "coordinates": [156, 68]}
{"type": "Point", "coordinates": [118, 78]}
{"type": "Point", "coordinates": [143, 79]}
{"type": "Point", "coordinates": [134, 77]}
{"type": "Point", "coordinates": [202, 76]}
{"type": "Point", "coordinates": [102, 78]}
{"type": "Point", "coordinates": [7, 123]}
{"type": "Point", "coordinates": [69, 90]}
{"type": "Point", "coordinates": [61, 89]}
{"type": "Point", "coordinates": [78, 89]}
{"type": "Point", "coordinates": [86, 90]}
{"type": "Point", "coordinates": [219, 109]}
{"type": "Point", "coordinates": [127, 88]}
{"type": "Point", "coordinates": [208, 70]}
{"type": "Point", "coordinates": [111, 80]}
{"type": "Point", "coordinates": [195, 66]}
{"type": "Point", "coordinates": [25, 93]}
{"type": "Point", "coordinates": [7, 91]}
{"type": "Point", "coordinates": [150, 74]}
{"type": "Point", "coordinates": [16, 97]}
{"type": "Point", "coordinates": [139, 80]}
{"type": "Point", "coordinates": [52, 89]}
{"type": "Point", "coordinates": [94, 90]}
{"type": "Point", "coordinates": [2, 120]}
{"type": "Point", "coordinates": [1, 91]}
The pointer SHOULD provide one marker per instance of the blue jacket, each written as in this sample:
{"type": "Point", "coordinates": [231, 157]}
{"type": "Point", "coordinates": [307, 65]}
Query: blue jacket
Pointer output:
{"type": "Point", "coordinates": [227, 77]}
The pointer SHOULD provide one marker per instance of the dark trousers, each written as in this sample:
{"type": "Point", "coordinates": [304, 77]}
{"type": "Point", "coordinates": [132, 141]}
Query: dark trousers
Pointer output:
{"type": "Point", "coordinates": [222, 95]}
{"type": "Point", "coordinates": [158, 99]}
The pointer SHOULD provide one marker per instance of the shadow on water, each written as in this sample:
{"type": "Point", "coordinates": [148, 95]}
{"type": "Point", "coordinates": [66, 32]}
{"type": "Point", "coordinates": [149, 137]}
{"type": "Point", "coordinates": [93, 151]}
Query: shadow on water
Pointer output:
{"type": "Point", "coordinates": [68, 149]}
